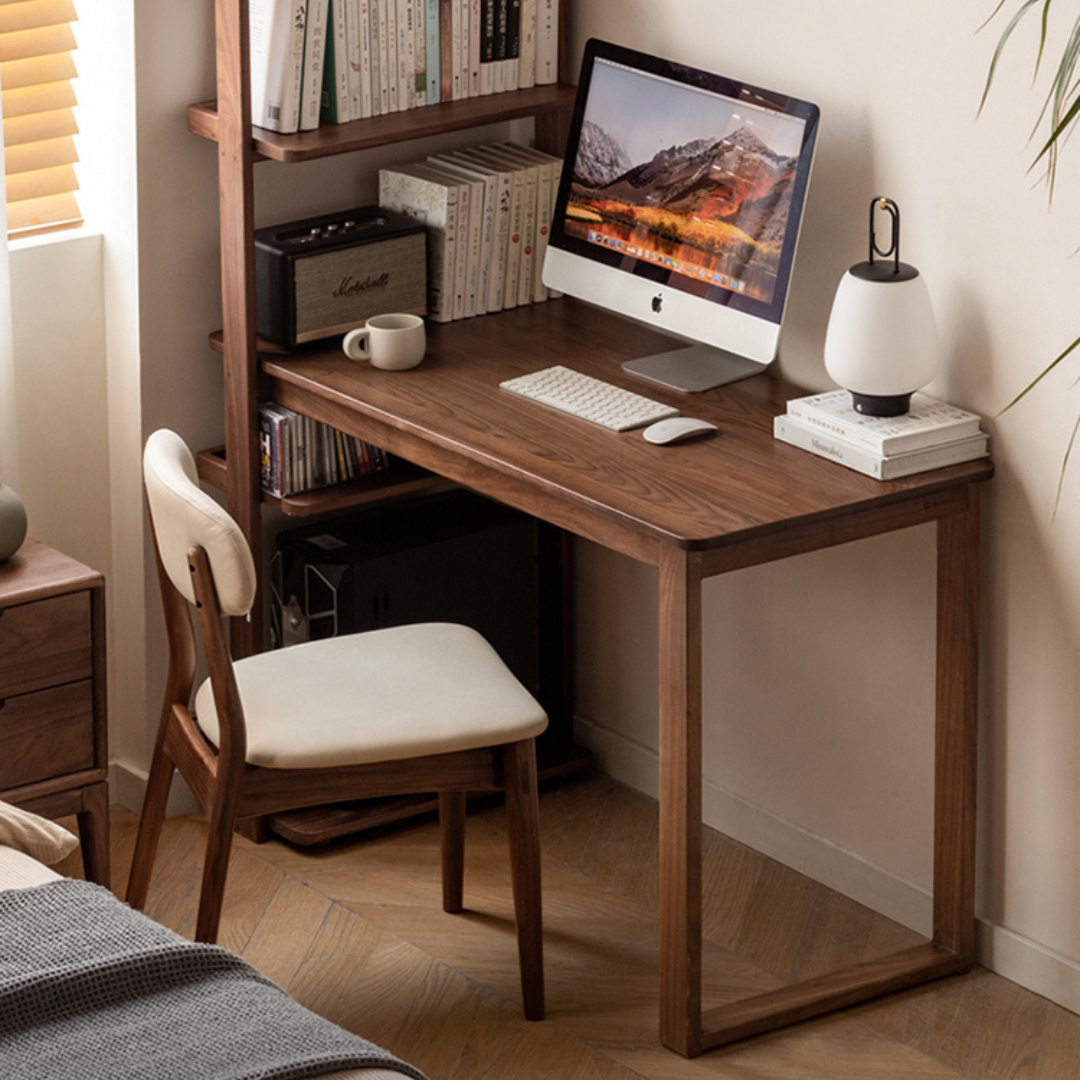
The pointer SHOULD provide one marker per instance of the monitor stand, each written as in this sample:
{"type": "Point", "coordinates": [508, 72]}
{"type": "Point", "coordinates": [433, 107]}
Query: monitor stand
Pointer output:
{"type": "Point", "coordinates": [694, 368]}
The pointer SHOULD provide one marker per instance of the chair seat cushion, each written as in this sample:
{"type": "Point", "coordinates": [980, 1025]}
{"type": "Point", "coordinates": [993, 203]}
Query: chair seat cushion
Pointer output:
{"type": "Point", "coordinates": [404, 692]}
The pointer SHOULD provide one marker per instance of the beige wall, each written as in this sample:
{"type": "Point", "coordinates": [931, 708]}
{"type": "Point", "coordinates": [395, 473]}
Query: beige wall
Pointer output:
{"type": "Point", "coordinates": [818, 681]}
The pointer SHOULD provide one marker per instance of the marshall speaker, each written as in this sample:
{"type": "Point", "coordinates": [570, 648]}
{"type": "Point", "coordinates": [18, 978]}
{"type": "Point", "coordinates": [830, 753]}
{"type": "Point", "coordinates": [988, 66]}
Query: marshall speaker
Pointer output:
{"type": "Point", "coordinates": [325, 275]}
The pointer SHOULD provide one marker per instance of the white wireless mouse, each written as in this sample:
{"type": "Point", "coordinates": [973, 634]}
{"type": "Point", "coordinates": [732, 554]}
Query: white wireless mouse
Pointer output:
{"type": "Point", "coordinates": [675, 429]}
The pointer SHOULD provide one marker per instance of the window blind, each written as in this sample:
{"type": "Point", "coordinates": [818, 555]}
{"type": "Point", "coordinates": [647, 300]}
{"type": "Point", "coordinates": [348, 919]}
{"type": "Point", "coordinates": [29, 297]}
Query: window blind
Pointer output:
{"type": "Point", "coordinates": [38, 103]}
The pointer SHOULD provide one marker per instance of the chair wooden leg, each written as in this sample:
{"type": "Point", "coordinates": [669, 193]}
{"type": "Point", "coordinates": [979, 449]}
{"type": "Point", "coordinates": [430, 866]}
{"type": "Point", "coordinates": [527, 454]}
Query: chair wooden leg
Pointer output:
{"type": "Point", "coordinates": [216, 866]}
{"type": "Point", "coordinates": [146, 841]}
{"type": "Point", "coordinates": [452, 843]}
{"type": "Point", "coordinates": [523, 818]}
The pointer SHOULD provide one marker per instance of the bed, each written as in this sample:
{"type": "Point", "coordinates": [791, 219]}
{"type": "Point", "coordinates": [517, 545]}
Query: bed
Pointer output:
{"type": "Point", "coordinates": [90, 988]}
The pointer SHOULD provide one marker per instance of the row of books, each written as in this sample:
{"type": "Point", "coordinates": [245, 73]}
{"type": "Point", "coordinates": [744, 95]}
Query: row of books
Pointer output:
{"type": "Point", "coordinates": [300, 454]}
{"type": "Point", "coordinates": [930, 435]}
{"type": "Point", "coordinates": [488, 211]}
{"type": "Point", "coordinates": [331, 61]}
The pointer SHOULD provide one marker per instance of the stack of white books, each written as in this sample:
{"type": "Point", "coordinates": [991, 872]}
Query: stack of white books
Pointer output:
{"type": "Point", "coordinates": [488, 210]}
{"type": "Point", "coordinates": [930, 435]}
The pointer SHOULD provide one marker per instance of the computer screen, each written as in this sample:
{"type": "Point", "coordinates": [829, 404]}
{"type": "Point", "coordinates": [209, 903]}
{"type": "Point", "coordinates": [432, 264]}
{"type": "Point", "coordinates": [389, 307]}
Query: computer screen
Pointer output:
{"type": "Point", "coordinates": [680, 204]}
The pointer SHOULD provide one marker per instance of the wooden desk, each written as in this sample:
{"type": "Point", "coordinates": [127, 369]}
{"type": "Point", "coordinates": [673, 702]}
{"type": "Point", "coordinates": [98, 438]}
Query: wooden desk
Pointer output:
{"type": "Point", "coordinates": [693, 511]}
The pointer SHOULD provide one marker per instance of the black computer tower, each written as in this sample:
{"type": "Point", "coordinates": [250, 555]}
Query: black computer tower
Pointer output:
{"type": "Point", "coordinates": [451, 557]}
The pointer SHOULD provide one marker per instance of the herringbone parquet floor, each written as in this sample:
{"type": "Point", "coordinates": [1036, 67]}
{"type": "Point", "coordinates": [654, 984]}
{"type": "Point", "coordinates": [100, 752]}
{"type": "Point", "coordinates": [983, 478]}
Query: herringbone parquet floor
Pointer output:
{"type": "Point", "coordinates": [355, 931]}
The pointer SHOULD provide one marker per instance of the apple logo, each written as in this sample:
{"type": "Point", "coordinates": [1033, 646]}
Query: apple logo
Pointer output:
{"type": "Point", "coordinates": [657, 302]}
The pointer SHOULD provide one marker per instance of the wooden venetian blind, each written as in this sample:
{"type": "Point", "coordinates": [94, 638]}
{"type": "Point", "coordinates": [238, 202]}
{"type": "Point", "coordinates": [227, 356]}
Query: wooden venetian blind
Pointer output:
{"type": "Point", "coordinates": [38, 102]}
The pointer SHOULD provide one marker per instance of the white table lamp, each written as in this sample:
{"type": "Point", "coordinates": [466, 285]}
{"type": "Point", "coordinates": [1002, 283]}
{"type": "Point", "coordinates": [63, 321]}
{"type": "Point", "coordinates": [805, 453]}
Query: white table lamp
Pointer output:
{"type": "Point", "coordinates": [882, 341]}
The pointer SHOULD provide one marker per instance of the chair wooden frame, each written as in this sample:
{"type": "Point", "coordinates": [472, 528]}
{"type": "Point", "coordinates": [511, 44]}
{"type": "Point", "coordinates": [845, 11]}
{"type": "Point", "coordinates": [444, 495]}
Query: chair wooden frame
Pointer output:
{"type": "Point", "coordinates": [229, 789]}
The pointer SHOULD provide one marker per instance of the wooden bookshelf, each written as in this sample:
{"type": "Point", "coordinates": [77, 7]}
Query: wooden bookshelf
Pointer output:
{"type": "Point", "coordinates": [226, 121]}
{"type": "Point", "coordinates": [543, 103]}
{"type": "Point", "coordinates": [402, 478]}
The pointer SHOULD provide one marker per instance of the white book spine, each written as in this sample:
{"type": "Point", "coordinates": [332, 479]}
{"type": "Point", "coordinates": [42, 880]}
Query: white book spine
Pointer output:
{"type": "Point", "coordinates": [432, 51]}
{"type": "Point", "coordinates": [276, 43]}
{"type": "Point", "coordinates": [314, 58]}
{"type": "Point", "coordinates": [458, 30]}
{"type": "Point", "coordinates": [383, 49]}
{"type": "Point", "coordinates": [406, 55]}
{"type": "Point", "coordinates": [393, 100]}
{"type": "Point", "coordinates": [435, 205]}
{"type": "Point", "coordinates": [475, 32]}
{"type": "Point", "coordinates": [352, 44]}
{"type": "Point", "coordinates": [547, 42]}
{"type": "Point", "coordinates": [487, 46]}
{"type": "Point", "coordinates": [420, 47]}
{"type": "Point", "coordinates": [527, 51]}
{"type": "Point", "coordinates": [879, 466]}
{"type": "Point", "coordinates": [367, 106]}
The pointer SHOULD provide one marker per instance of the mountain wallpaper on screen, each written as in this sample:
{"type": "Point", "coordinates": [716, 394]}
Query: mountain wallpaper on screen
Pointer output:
{"type": "Point", "coordinates": [727, 198]}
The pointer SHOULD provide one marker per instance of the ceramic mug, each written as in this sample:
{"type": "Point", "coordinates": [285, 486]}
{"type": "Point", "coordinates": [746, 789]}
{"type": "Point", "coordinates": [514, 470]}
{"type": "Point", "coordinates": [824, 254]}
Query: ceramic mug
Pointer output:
{"type": "Point", "coordinates": [391, 342]}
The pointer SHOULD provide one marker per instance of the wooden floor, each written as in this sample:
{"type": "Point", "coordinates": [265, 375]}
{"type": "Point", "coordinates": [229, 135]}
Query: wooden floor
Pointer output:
{"type": "Point", "coordinates": [356, 933]}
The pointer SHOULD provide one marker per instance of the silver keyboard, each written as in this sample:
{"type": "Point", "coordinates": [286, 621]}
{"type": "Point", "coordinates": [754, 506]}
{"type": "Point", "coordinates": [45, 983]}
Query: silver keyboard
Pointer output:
{"type": "Point", "coordinates": [588, 398]}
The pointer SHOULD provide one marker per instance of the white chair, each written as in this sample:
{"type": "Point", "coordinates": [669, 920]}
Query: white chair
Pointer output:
{"type": "Point", "coordinates": [422, 708]}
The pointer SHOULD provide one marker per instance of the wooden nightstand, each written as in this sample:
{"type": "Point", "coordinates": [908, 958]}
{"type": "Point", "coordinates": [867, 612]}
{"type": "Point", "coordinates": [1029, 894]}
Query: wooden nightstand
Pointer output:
{"type": "Point", "coordinates": [53, 745]}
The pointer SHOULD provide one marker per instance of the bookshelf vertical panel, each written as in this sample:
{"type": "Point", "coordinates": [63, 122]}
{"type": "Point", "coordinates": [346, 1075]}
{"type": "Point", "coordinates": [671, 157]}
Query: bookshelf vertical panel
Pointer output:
{"type": "Point", "coordinates": [236, 195]}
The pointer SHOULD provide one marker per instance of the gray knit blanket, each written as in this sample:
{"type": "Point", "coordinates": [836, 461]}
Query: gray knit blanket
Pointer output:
{"type": "Point", "coordinates": [93, 990]}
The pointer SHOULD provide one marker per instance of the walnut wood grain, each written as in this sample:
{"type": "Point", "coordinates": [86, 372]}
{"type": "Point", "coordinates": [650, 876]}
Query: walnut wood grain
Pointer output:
{"type": "Point", "coordinates": [328, 140]}
{"type": "Point", "coordinates": [53, 727]}
{"type": "Point", "coordinates": [741, 487]}
{"type": "Point", "coordinates": [45, 643]}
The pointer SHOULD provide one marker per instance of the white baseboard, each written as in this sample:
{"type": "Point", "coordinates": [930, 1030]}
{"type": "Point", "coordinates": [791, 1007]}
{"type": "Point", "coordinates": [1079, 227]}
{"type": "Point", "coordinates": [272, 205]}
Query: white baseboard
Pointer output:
{"type": "Point", "coordinates": [1003, 951]}
{"type": "Point", "coordinates": [127, 786]}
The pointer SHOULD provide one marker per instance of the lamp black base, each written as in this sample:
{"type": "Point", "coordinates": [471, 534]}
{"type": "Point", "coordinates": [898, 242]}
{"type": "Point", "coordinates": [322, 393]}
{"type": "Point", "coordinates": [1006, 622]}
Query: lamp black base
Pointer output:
{"type": "Point", "coordinates": [874, 405]}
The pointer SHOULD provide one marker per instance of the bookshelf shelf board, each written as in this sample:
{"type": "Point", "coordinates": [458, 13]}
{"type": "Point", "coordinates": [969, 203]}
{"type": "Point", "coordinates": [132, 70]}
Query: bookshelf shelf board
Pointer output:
{"type": "Point", "coordinates": [330, 139]}
{"type": "Point", "coordinates": [400, 479]}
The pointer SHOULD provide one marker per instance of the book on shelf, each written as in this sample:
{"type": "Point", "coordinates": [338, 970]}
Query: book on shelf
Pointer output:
{"type": "Point", "coordinates": [547, 42]}
{"type": "Point", "coordinates": [383, 56]}
{"type": "Point", "coordinates": [523, 222]}
{"type": "Point", "coordinates": [501, 186]}
{"type": "Point", "coordinates": [475, 32]}
{"type": "Point", "coordinates": [472, 195]}
{"type": "Point", "coordinates": [527, 45]}
{"type": "Point", "coordinates": [482, 221]}
{"type": "Point", "coordinates": [892, 466]}
{"type": "Point", "coordinates": [432, 53]}
{"type": "Point", "coordinates": [276, 44]}
{"type": "Point", "coordinates": [548, 178]}
{"type": "Point", "coordinates": [488, 210]}
{"type": "Point", "coordinates": [314, 57]}
{"type": "Point", "coordinates": [926, 423]}
{"type": "Point", "coordinates": [299, 454]}
{"type": "Point", "coordinates": [432, 200]}
{"type": "Point", "coordinates": [334, 104]}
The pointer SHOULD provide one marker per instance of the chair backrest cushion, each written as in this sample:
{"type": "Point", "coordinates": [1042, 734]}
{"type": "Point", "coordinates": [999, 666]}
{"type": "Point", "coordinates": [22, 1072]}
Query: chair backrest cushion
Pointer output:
{"type": "Point", "coordinates": [184, 516]}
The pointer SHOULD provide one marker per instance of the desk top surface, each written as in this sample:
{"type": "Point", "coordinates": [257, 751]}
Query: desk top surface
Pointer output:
{"type": "Point", "coordinates": [449, 414]}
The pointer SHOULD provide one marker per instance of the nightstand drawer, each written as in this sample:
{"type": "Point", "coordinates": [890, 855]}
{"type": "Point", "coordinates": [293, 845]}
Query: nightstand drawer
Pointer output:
{"type": "Point", "coordinates": [45, 643]}
{"type": "Point", "coordinates": [46, 734]}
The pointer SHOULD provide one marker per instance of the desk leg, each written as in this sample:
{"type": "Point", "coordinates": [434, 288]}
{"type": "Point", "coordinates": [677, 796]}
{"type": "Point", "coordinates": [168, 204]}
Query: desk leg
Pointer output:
{"type": "Point", "coordinates": [683, 1025]}
{"type": "Point", "coordinates": [957, 732]}
{"type": "Point", "coordinates": [680, 800]}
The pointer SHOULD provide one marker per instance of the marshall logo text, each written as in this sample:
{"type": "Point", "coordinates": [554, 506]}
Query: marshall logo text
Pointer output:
{"type": "Point", "coordinates": [350, 286]}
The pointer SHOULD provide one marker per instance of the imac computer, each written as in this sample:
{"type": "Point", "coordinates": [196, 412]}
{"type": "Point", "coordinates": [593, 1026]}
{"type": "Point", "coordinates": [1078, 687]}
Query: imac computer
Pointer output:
{"type": "Point", "coordinates": [680, 203]}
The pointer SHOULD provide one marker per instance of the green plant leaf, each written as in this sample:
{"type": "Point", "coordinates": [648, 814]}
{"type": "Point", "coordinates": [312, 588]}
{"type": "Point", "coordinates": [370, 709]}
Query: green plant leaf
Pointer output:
{"type": "Point", "coordinates": [1003, 40]}
{"type": "Point", "coordinates": [1064, 467]}
{"type": "Point", "coordinates": [1042, 375]}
